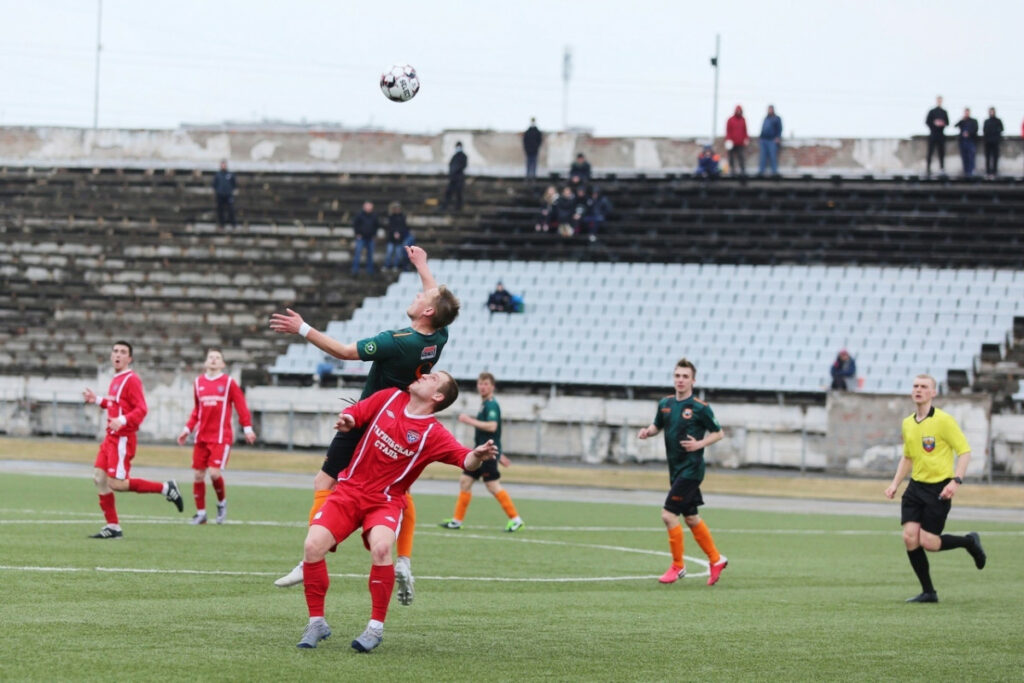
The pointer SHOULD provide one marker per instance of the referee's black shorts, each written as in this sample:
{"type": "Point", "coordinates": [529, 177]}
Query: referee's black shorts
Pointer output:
{"type": "Point", "coordinates": [684, 497]}
{"type": "Point", "coordinates": [921, 504]}
{"type": "Point", "coordinates": [339, 453]}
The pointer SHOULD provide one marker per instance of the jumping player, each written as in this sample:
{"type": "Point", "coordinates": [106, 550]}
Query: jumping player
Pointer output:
{"type": "Point", "coordinates": [399, 358]}
{"type": "Point", "coordinates": [214, 394]}
{"type": "Point", "coordinates": [487, 425]}
{"type": "Point", "coordinates": [401, 437]}
{"type": "Point", "coordinates": [690, 427]}
{"type": "Point", "coordinates": [125, 404]}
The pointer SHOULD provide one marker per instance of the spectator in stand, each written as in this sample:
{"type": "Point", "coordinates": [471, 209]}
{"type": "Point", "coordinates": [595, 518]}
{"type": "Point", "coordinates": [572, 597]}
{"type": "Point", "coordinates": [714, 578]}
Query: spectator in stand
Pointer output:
{"type": "Point", "coordinates": [500, 301]}
{"type": "Point", "coordinates": [708, 163]}
{"type": "Point", "coordinates": [325, 371]}
{"type": "Point", "coordinates": [548, 212]}
{"type": "Point", "coordinates": [532, 140]}
{"type": "Point", "coordinates": [968, 142]}
{"type": "Point", "coordinates": [456, 178]}
{"type": "Point", "coordinates": [937, 120]}
{"type": "Point", "coordinates": [844, 372]}
{"type": "Point", "coordinates": [365, 226]}
{"type": "Point", "coordinates": [992, 132]}
{"type": "Point", "coordinates": [736, 141]}
{"type": "Point", "coordinates": [579, 208]}
{"type": "Point", "coordinates": [399, 237]}
{"type": "Point", "coordinates": [596, 212]}
{"type": "Point", "coordinates": [224, 186]}
{"type": "Point", "coordinates": [771, 138]}
{"type": "Point", "coordinates": [579, 172]}
{"type": "Point", "coordinates": [565, 209]}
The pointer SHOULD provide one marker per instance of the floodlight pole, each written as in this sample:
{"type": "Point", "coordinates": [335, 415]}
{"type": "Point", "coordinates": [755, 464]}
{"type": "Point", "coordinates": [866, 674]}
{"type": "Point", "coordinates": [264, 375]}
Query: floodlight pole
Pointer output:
{"type": "Point", "coordinates": [566, 75]}
{"type": "Point", "coordinates": [96, 91]}
{"type": "Point", "coordinates": [714, 105]}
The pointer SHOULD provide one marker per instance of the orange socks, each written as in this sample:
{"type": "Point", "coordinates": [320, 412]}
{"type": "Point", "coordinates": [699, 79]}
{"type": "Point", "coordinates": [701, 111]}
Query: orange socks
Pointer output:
{"type": "Point", "coordinates": [461, 505]}
{"type": "Point", "coordinates": [318, 502]}
{"type": "Point", "coordinates": [702, 535]}
{"type": "Point", "coordinates": [675, 544]}
{"type": "Point", "coordinates": [506, 504]}
{"type": "Point", "coordinates": [408, 528]}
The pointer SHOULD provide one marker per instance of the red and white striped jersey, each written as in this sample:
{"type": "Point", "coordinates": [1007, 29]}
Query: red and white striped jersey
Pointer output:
{"type": "Point", "coordinates": [214, 397]}
{"type": "Point", "coordinates": [396, 446]}
{"type": "Point", "coordinates": [125, 398]}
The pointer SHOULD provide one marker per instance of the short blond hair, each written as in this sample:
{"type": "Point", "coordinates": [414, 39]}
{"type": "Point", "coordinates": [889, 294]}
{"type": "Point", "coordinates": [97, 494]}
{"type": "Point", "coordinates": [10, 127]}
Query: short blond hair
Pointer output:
{"type": "Point", "coordinates": [935, 385]}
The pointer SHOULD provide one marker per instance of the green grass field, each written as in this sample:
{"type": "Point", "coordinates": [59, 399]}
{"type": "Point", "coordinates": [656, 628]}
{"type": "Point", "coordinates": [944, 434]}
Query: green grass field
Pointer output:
{"type": "Point", "coordinates": [573, 596]}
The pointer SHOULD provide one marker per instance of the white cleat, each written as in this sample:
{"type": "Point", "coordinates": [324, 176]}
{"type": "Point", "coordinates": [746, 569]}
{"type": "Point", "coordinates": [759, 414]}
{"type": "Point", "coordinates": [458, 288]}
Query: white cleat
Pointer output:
{"type": "Point", "coordinates": [222, 512]}
{"type": "Point", "coordinates": [405, 581]}
{"type": "Point", "coordinates": [292, 578]}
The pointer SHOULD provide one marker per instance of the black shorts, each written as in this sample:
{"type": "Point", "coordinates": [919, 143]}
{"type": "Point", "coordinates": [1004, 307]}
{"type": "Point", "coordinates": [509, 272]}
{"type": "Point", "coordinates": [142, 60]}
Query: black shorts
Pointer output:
{"type": "Point", "coordinates": [488, 471]}
{"type": "Point", "coordinates": [684, 497]}
{"type": "Point", "coordinates": [339, 453]}
{"type": "Point", "coordinates": [921, 503]}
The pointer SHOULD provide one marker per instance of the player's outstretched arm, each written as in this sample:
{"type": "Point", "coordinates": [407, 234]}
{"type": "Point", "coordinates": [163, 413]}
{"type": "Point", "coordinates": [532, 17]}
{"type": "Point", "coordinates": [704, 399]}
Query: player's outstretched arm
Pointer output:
{"type": "Point", "coordinates": [345, 422]}
{"type": "Point", "coordinates": [292, 323]}
{"type": "Point", "coordinates": [481, 454]}
{"type": "Point", "coordinates": [418, 258]}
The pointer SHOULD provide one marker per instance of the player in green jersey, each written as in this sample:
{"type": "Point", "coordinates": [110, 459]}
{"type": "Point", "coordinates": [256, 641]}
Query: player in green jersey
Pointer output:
{"type": "Point", "coordinates": [690, 426]}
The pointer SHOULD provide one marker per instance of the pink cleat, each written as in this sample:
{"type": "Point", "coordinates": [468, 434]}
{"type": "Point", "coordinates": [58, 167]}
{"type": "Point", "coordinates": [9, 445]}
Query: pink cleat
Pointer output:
{"type": "Point", "coordinates": [673, 574]}
{"type": "Point", "coordinates": [716, 570]}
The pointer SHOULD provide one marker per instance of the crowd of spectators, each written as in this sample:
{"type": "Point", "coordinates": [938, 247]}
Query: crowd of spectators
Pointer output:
{"type": "Point", "coordinates": [579, 209]}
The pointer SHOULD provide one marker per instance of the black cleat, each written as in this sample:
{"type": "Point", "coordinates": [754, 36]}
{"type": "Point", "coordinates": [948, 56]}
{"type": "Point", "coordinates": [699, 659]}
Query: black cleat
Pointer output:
{"type": "Point", "coordinates": [924, 597]}
{"type": "Point", "coordinates": [107, 532]}
{"type": "Point", "coordinates": [174, 495]}
{"type": "Point", "coordinates": [976, 551]}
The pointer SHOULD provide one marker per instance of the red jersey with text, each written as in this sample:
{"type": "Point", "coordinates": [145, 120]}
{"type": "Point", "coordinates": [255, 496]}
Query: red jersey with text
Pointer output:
{"type": "Point", "coordinates": [125, 398]}
{"type": "Point", "coordinates": [396, 446]}
{"type": "Point", "coordinates": [214, 397]}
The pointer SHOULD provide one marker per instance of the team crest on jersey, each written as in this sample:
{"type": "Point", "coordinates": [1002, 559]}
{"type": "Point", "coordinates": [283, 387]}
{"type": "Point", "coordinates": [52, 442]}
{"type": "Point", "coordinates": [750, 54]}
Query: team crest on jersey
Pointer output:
{"type": "Point", "coordinates": [370, 348]}
{"type": "Point", "coordinates": [428, 352]}
{"type": "Point", "coordinates": [928, 443]}
{"type": "Point", "coordinates": [220, 390]}
{"type": "Point", "coordinates": [412, 436]}
{"type": "Point", "coordinates": [687, 413]}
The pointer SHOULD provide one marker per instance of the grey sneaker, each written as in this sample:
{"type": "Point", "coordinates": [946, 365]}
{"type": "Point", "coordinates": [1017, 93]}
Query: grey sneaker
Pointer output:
{"type": "Point", "coordinates": [222, 512]}
{"type": "Point", "coordinates": [451, 524]}
{"type": "Point", "coordinates": [314, 633]}
{"type": "Point", "coordinates": [292, 578]}
{"type": "Point", "coordinates": [174, 495]}
{"type": "Point", "coordinates": [368, 640]}
{"type": "Point", "coordinates": [405, 581]}
{"type": "Point", "coordinates": [198, 519]}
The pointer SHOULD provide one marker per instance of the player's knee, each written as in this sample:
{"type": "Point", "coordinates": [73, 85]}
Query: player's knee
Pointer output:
{"type": "Point", "coordinates": [323, 481]}
{"type": "Point", "coordinates": [314, 549]}
{"type": "Point", "coordinates": [692, 520]}
{"type": "Point", "coordinates": [99, 477]}
{"type": "Point", "coordinates": [911, 538]}
{"type": "Point", "coordinates": [380, 553]}
{"type": "Point", "coordinates": [930, 542]}
{"type": "Point", "coordinates": [670, 518]}
{"type": "Point", "coordinates": [117, 484]}
{"type": "Point", "coordinates": [214, 473]}
{"type": "Point", "coordinates": [198, 475]}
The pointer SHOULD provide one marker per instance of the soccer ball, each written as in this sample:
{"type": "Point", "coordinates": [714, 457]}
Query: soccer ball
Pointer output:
{"type": "Point", "coordinates": [399, 83]}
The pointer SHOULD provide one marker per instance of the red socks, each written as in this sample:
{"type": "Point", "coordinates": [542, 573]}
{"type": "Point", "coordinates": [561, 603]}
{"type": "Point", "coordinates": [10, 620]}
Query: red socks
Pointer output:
{"type": "Point", "coordinates": [382, 582]}
{"type": "Point", "coordinates": [218, 487]}
{"type": "Point", "coordinates": [107, 505]}
{"type": "Point", "coordinates": [199, 493]}
{"type": "Point", "coordinates": [145, 486]}
{"type": "Point", "coordinates": [316, 581]}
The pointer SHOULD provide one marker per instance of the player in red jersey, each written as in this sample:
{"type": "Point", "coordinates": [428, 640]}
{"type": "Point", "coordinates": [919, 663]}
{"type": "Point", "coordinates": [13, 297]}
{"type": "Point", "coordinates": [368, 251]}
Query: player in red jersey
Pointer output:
{"type": "Point", "coordinates": [401, 438]}
{"type": "Point", "coordinates": [125, 404]}
{"type": "Point", "coordinates": [214, 394]}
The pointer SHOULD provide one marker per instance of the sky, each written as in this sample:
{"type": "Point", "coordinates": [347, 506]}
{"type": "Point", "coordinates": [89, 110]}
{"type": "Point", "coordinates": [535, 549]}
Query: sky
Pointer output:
{"type": "Point", "coordinates": [832, 68]}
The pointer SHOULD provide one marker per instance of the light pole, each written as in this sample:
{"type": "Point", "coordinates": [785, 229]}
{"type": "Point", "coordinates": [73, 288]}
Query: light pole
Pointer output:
{"type": "Point", "coordinates": [714, 105]}
{"type": "Point", "coordinates": [96, 91]}
{"type": "Point", "coordinates": [566, 75]}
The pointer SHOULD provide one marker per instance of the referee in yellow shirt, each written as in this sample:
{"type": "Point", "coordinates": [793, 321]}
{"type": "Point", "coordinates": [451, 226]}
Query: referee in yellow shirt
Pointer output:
{"type": "Point", "coordinates": [931, 439]}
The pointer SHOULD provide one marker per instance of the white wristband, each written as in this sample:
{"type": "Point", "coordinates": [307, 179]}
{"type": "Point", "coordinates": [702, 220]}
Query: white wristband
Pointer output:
{"type": "Point", "coordinates": [304, 329]}
{"type": "Point", "coordinates": [247, 430]}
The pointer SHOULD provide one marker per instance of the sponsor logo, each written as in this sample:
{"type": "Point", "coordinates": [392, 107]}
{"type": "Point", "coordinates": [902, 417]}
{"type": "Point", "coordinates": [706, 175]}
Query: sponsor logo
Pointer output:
{"type": "Point", "coordinates": [317, 515]}
{"type": "Point", "coordinates": [687, 413]}
{"type": "Point", "coordinates": [370, 348]}
{"type": "Point", "coordinates": [666, 410]}
{"type": "Point", "coordinates": [412, 436]}
{"type": "Point", "coordinates": [428, 352]}
{"type": "Point", "coordinates": [390, 414]}
{"type": "Point", "coordinates": [928, 443]}
{"type": "Point", "coordinates": [391, 519]}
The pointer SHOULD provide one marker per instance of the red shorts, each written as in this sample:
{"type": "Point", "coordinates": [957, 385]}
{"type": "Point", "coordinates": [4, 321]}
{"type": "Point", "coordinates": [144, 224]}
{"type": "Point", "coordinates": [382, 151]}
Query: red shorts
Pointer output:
{"type": "Point", "coordinates": [206, 454]}
{"type": "Point", "coordinates": [115, 455]}
{"type": "Point", "coordinates": [345, 510]}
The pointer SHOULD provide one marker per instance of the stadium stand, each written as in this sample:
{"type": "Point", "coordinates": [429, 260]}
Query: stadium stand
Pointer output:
{"type": "Point", "coordinates": [759, 328]}
{"type": "Point", "coordinates": [775, 275]}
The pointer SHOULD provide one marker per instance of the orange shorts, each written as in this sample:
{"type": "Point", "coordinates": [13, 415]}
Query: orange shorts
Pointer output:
{"type": "Point", "coordinates": [215, 455]}
{"type": "Point", "coordinates": [115, 455]}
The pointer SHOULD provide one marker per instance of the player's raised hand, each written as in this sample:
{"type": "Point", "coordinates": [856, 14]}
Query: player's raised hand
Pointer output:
{"type": "Point", "coordinates": [486, 451]}
{"type": "Point", "coordinates": [345, 422]}
{"type": "Point", "coordinates": [417, 256]}
{"type": "Point", "coordinates": [286, 323]}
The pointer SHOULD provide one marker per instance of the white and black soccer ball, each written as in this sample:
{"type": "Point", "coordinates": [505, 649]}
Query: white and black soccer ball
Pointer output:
{"type": "Point", "coordinates": [400, 83]}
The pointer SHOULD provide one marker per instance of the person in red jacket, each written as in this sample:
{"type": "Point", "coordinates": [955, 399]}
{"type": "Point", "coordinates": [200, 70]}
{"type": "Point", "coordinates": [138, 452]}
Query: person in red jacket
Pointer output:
{"type": "Point", "coordinates": [402, 436]}
{"type": "Point", "coordinates": [736, 141]}
{"type": "Point", "coordinates": [214, 394]}
{"type": "Point", "coordinates": [125, 404]}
